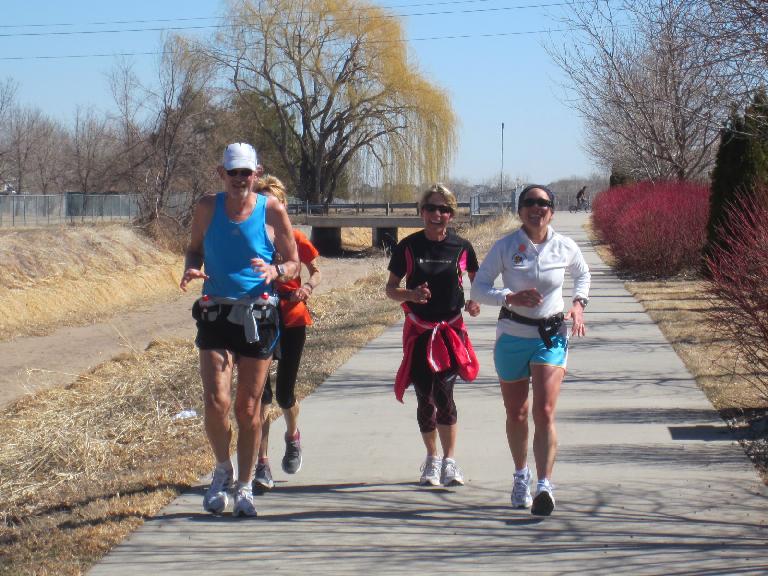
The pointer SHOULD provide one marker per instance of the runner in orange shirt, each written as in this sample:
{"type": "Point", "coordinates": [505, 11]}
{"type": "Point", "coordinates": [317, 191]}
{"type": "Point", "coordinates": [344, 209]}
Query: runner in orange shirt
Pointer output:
{"type": "Point", "coordinates": [295, 318]}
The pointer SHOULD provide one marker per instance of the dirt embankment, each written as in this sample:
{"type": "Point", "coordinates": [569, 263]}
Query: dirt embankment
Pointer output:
{"type": "Point", "coordinates": [76, 297]}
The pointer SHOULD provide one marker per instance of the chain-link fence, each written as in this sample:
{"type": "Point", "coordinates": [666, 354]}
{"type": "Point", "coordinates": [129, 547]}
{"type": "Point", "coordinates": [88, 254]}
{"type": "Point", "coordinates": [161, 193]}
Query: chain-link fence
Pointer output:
{"type": "Point", "coordinates": [44, 209]}
{"type": "Point", "coordinates": [493, 202]}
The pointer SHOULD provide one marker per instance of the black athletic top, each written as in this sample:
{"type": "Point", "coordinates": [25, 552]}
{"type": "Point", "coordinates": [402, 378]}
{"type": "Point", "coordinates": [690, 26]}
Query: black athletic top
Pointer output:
{"type": "Point", "coordinates": [439, 264]}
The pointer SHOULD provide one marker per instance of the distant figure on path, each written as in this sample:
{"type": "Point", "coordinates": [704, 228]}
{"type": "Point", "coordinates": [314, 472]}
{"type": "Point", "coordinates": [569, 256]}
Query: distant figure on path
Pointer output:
{"type": "Point", "coordinates": [234, 236]}
{"type": "Point", "coordinates": [531, 337]}
{"type": "Point", "coordinates": [294, 319]}
{"type": "Point", "coordinates": [581, 199]}
{"type": "Point", "coordinates": [436, 346]}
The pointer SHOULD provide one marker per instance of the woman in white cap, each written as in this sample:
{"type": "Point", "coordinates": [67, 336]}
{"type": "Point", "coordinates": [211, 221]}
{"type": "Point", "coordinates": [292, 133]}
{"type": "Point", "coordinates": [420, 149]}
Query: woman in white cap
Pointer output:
{"type": "Point", "coordinates": [531, 336]}
{"type": "Point", "coordinates": [234, 237]}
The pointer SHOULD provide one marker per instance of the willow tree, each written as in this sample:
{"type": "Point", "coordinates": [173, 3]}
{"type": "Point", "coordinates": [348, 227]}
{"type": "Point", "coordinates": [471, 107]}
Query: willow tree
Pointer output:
{"type": "Point", "coordinates": [337, 74]}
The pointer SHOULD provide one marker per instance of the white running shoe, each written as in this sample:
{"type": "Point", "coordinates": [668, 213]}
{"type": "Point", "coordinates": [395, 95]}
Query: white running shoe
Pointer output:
{"type": "Point", "coordinates": [451, 473]}
{"type": "Point", "coordinates": [544, 502]}
{"type": "Point", "coordinates": [215, 499]}
{"type": "Point", "coordinates": [244, 502]}
{"type": "Point", "coordinates": [521, 489]}
{"type": "Point", "coordinates": [430, 471]}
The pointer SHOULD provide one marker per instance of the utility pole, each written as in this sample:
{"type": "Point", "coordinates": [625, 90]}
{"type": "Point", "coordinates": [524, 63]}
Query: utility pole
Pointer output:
{"type": "Point", "coordinates": [501, 181]}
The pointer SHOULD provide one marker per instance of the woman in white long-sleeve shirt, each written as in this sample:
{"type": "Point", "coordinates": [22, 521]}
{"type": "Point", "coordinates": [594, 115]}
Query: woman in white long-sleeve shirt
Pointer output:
{"type": "Point", "coordinates": [532, 335]}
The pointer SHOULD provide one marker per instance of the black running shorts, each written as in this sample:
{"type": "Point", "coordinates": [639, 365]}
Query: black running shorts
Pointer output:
{"type": "Point", "coordinates": [215, 332]}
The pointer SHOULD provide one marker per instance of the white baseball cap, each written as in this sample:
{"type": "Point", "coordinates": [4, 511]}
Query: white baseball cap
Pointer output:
{"type": "Point", "coordinates": [239, 155]}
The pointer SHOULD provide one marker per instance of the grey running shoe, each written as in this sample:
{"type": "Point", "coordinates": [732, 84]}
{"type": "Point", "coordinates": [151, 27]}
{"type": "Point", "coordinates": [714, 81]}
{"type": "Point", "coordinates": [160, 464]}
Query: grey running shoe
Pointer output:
{"type": "Point", "coordinates": [430, 471]}
{"type": "Point", "coordinates": [215, 499]}
{"type": "Point", "coordinates": [544, 502]}
{"type": "Point", "coordinates": [521, 490]}
{"type": "Point", "coordinates": [244, 503]}
{"type": "Point", "coordinates": [451, 473]}
{"type": "Point", "coordinates": [292, 458]}
{"type": "Point", "coordinates": [263, 477]}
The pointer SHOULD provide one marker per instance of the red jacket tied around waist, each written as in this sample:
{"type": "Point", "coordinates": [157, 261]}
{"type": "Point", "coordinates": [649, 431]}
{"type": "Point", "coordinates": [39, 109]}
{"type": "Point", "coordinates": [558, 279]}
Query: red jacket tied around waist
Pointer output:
{"type": "Point", "coordinates": [449, 337]}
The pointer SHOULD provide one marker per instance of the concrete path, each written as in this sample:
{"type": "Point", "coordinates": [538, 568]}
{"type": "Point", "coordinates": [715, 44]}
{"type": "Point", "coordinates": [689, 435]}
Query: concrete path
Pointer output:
{"type": "Point", "coordinates": [649, 480]}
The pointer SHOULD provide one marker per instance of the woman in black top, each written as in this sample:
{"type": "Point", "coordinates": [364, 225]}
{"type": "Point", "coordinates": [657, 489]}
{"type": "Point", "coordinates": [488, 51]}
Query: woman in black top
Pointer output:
{"type": "Point", "coordinates": [436, 347]}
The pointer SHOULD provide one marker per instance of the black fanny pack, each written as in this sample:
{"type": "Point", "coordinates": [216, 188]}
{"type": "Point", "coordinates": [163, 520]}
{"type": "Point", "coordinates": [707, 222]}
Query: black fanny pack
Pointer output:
{"type": "Point", "coordinates": [548, 327]}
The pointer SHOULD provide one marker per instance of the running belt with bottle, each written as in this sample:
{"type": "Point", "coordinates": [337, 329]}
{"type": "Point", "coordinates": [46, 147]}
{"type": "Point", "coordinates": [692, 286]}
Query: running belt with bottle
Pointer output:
{"type": "Point", "coordinates": [524, 265]}
{"type": "Point", "coordinates": [228, 249]}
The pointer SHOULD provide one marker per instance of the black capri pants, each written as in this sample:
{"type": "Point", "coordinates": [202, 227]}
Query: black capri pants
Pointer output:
{"type": "Point", "coordinates": [291, 348]}
{"type": "Point", "coordinates": [434, 390]}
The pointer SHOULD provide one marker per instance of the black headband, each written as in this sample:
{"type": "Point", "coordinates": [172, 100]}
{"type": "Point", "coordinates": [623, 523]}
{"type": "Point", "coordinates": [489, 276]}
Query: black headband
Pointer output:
{"type": "Point", "coordinates": [527, 189]}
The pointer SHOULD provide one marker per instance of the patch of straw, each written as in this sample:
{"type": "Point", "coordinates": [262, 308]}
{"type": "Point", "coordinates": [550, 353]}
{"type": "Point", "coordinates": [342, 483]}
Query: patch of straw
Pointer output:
{"type": "Point", "coordinates": [78, 275]}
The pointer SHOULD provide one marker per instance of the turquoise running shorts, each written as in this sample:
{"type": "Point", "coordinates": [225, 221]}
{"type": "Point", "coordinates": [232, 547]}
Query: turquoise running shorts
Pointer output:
{"type": "Point", "coordinates": [513, 356]}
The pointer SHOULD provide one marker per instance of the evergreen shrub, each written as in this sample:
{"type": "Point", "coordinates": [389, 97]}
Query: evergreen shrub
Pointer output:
{"type": "Point", "coordinates": [741, 167]}
{"type": "Point", "coordinates": [653, 229]}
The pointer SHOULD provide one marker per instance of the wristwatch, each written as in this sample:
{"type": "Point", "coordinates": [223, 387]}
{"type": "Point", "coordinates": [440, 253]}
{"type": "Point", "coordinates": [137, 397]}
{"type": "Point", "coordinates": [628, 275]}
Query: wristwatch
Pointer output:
{"type": "Point", "coordinates": [280, 270]}
{"type": "Point", "coordinates": [582, 301]}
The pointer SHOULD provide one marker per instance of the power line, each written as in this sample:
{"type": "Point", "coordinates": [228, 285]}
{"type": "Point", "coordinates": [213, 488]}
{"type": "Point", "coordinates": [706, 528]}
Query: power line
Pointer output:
{"type": "Point", "coordinates": [198, 18]}
{"type": "Point", "coordinates": [215, 26]}
{"type": "Point", "coordinates": [423, 39]}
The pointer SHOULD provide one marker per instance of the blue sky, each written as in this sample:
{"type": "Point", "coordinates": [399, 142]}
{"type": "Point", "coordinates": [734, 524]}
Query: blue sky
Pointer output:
{"type": "Point", "coordinates": [482, 52]}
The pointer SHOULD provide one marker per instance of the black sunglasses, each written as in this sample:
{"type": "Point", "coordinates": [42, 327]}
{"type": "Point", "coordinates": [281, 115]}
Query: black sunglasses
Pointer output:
{"type": "Point", "coordinates": [442, 208]}
{"type": "Point", "coordinates": [542, 202]}
{"type": "Point", "coordinates": [240, 172]}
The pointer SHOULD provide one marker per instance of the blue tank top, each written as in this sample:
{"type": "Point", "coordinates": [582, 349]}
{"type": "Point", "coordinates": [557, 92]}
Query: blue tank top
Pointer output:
{"type": "Point", "coordinates": [228, 248]}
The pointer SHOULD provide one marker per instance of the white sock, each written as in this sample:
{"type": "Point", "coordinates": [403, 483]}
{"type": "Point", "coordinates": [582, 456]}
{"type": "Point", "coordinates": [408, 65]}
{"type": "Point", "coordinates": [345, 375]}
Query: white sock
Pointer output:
{"type": "Point", "coordinates": [243, 485]}
{"type": "Point", "coordinates": [226, 465]}
{"type": "Point", "coordinates": [521, 471]}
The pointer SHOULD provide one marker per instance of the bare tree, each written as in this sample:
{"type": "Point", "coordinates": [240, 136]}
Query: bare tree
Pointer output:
{"type": "Point", "coordinates": [165, 132]}
{"type": "Point", "coordinates": [652, 94]}
{"type": "Point", "coordinates": [338, 78]}
{"type": "Point", "coordinates": [48, 156]}
{"type": "Point", "coordinates": [91, 149]}
{"type": "Point", "coordinates": [738, 30]}
{"type": "Point", "coordinates": [7, 102]}
{"type": "Point", "coordinates": [23, 128]}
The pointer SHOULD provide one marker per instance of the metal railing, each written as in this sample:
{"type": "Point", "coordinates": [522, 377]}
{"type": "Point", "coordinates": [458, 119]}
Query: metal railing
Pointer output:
{"type": "Point", "coordinates": [68, 208]}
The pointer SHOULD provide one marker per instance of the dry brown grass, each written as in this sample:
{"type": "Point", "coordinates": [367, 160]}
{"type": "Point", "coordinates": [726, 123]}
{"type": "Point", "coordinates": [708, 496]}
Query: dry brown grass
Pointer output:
{"type": "Point", "coordinates": [76, 275]}
{"type": "Point", "coordinates": [82, 466]}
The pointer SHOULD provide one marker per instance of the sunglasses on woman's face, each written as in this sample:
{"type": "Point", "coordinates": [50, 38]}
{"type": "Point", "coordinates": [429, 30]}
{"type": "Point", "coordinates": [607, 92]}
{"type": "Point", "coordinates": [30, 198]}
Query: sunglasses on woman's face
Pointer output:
{"type": "Point", "coordinates": [541, 202]}
{"type": "Point", "coordinates": [241, 173]}
{"type": "Point", "coordinates": [442, 208]}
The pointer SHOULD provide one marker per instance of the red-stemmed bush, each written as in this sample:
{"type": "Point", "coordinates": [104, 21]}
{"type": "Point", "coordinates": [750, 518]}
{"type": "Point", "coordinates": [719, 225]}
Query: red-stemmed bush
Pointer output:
{"type": "Point", "coordinates": [738, 273]}
{"type": "Point", "coordinates": [654, 229]}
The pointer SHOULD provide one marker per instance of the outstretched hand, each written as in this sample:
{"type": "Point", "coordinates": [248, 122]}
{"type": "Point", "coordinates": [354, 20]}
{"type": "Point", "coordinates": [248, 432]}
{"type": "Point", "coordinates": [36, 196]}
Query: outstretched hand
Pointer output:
{"type": "Point", "coordinates": [576, 313]}
{"type": "Point", "coordinates": [265, 270]}
{"type": "Point", "coordinates": [191, 274]}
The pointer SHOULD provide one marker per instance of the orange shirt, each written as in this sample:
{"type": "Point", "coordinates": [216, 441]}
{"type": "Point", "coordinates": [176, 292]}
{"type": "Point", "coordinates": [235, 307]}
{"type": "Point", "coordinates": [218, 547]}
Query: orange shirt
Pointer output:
{"type": "Point", "coordinates": [296, 313]}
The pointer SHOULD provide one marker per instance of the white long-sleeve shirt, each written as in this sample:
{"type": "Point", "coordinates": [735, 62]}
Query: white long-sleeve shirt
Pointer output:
{"type": "Point", "coordinates": [524, 265]}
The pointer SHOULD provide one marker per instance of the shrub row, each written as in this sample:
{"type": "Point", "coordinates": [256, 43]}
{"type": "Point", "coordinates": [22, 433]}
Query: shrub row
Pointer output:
{"type": "Point", "coordinates": [653, 229]}
{"type": "Point", "coordinates": [738, 273]}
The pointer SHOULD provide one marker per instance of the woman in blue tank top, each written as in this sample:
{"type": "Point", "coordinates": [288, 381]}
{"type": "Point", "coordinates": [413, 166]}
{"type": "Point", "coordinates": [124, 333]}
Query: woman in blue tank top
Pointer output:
{"type": "Point", "coordinates": [234, 236]}
{"type": "Point", "coordinates": [228, 248]}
